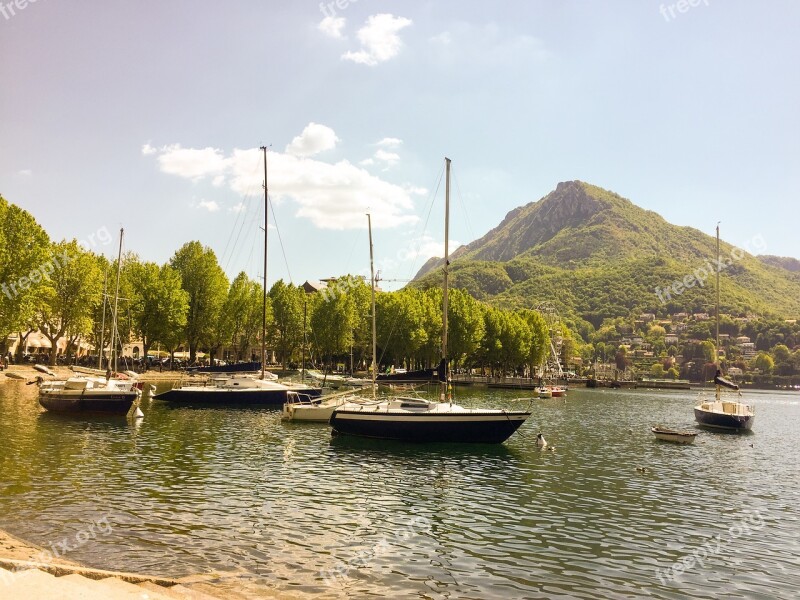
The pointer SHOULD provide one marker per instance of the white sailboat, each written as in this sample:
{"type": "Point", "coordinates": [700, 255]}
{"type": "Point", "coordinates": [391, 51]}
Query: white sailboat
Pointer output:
{"type": "Point", "coordinates": [418, 420]}
{"type": "Point", "coordinates": [723, 413]}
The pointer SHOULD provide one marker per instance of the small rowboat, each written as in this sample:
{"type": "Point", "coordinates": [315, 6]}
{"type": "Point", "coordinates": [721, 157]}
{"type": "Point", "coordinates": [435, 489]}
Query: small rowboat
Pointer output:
{"type": "Point", "coordinates": [673, 435]}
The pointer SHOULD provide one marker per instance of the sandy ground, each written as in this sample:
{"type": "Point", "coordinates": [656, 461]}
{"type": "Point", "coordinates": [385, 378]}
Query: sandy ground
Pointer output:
{"type": "Point", "coordinates": [26, 372]}
{"type": "Point", "coordinates": [17, 549]}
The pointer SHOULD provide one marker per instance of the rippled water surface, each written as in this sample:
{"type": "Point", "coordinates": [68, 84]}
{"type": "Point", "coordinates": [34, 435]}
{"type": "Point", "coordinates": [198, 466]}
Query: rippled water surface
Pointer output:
{"type": "Point", "coordinates": [284, 506]}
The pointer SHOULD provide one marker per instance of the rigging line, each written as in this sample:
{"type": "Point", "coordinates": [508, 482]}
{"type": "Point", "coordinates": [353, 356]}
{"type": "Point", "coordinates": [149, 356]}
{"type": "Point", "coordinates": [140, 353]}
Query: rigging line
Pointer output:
{"type": "Point", "coordinates": [280, 239]}
{"type": "Point", "coordinates": [246, 218]}
{"type": "Point", "coordinates": [463, 206]}
{"type": "Point", "coordinates": [241, 213]}
{"type": "Point", "coordinates": [430, 202]}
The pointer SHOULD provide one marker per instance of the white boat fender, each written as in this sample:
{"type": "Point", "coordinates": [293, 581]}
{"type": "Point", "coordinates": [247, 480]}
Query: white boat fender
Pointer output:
{"type": "Point", "coordinates": [138, 414]}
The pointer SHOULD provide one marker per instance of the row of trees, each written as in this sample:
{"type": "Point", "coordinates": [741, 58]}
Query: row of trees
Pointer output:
{"type": "Point", "coordinates": [64, 290]}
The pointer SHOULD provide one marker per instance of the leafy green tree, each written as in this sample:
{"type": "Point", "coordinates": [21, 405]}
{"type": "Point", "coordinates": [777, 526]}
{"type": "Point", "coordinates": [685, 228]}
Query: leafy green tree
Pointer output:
{"type": "Point", "coordinates": [25, 261]}
{"type": "Point", "coordinates": [332, 322]}
{"type": "Point", "coordinates": [241, 318]}
{"type": "Point", "coordinates": [401, 327]}
{"type": "Point", "coordinates": [657, 370]}
{"type": "Point", "coordinates": [783, 360]}
{"type": "Point", "coordinates": [540, 338]}
{"type": "Point", "coordinates": [69, 295]}
{"type": "Point", "coordinates": [515, 341]}
{"type": "Point", "coordinates": [286, 333]}
{"type": "Point", "coordinates": [465, 326]}
{"type": "Point", "coordinates": [159, 304]}
{"type": "Point", "coordinates": [764, 363]}
{"type": "Point", "coordinates": [207, 286]}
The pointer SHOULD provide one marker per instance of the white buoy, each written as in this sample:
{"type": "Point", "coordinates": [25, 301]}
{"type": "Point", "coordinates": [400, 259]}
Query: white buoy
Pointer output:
{"type": "Point", "coordinates": [138, 414]}
{"type": "Point", "coordinates": [540, 441]}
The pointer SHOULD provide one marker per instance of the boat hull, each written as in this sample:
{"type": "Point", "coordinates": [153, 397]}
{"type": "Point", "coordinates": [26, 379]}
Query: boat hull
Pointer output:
{"type": "Point", "coordinates": [233, 397]}
{"type": "Point", "coordinates": [479, 428]}
{"type": "Point", "coordinates": [676, 437]}
{"type": "Point", "coordinates": [719, 420]}
{"type": "Point", "coordinates": [116, 403]}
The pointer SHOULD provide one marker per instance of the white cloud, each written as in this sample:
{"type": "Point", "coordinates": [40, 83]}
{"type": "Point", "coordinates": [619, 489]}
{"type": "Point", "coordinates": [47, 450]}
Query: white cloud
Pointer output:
{"type": "Point", "coordinates": [209, 205]}
{"type": "Point", "coordinates": [314, 139]}
{"type": "Point", "coordinates": [218, 181]}
{"type": "Point", "coordinates": [485, 46]}
{"type": "Point", "coordinates": [367, 162]}
{"type": "Point", "coordinates": [389, 142]}
{"type": "Point", "coordinates": [237, 208]}
{"type": "Point", "coordinates": [191, 163]}
{"type": "Point", "coordinates": [147, 149]}
{"type": "Point", "coordinates": [425, 247]}
{"type": "Point", "coordinates": [332, 26]}
{"type": "Point", "coordinates": [390, 158]}
{"type": "Point", "coordinates": [417, 191]}
{"type": "Point", "coordinates": [330, 195]}
{"type": "Point", "coordinates": [25, 173]}
{"type": "Point", "coordinates": [379, 39]}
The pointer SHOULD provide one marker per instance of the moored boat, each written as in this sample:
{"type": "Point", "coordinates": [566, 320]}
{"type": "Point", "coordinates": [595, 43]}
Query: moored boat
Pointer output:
{"type": "Point", "coordinates": [722, 413]}
{"type": "Point", "coordinates": [673, 435]}
{"type": "Point", "coordinates": [226, 390]}
{"type": "Point", "coordinates": [410, 419]}
{"type": "Point", "coordinates": [89, 395]}
{"type": "Point", "coordinates": [113, 394]}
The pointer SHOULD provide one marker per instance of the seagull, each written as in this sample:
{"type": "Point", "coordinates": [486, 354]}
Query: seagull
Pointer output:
{"type": "Point", "coordinates": [540, 441]}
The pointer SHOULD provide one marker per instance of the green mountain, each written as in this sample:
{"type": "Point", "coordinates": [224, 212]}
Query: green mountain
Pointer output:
{"type": "Point", "coordinates": [784, 262]}
{"type": "Point", "coordinates": [595, 255]}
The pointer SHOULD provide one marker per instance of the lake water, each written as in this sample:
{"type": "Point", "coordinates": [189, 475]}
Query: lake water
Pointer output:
{"type": "Point", "coordinates": [288, 508]}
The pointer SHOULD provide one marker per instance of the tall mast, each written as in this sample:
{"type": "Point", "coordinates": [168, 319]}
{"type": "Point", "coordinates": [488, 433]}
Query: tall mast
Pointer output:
{"type": "Point", "coordinates": [264, 298]}
{"type": "Point", "coordinates": [372, 287]}
{"type": "Point", "coordinates": [443, 364]}
{"type": "Point", "coordinates": [716, 349]}
{"type": "Point", "coordinates": [116, 302]}
{"type": "Point", "coordinates": [103, 322]}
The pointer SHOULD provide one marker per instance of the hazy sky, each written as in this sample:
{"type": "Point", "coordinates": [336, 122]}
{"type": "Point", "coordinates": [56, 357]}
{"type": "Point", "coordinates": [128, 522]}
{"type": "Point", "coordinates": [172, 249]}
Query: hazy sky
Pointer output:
{"type": "Point", "coordinates": [148, 115]}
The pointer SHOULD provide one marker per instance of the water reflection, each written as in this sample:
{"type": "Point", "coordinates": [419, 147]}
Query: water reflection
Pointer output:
{"type": "Point", "coordinates": [286, 505]}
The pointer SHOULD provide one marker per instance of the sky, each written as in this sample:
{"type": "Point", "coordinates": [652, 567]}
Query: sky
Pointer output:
{"type": "Point", "coordinates": [149, 115]}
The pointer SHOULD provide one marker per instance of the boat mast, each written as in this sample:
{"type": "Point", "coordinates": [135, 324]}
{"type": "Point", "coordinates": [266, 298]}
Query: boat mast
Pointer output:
{"type": "Point", "coordinates": [372, 287]}
{"type": "Point", "coordinates": [443, 365]}
{"type": "Point", "coordinates": [103, 322]}
{"type": "Point", "coordinates": [264, 298]}
{"type": "Point", "coordinates": [716, 342]}
{"type": "Point", "coordinates": [716, 358]}
{"type": "Point", "coordinates": [116, 302]}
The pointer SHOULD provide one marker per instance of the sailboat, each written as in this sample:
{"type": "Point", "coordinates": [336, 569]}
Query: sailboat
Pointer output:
{"type": "Point", "coordinates": [238, 388]}
{"type": "Point", "coordinates": [113, 394]}
{"type": "Point", "coordinates": [412, 419]}
{"type": "Point", "coordinates": [723, 413]}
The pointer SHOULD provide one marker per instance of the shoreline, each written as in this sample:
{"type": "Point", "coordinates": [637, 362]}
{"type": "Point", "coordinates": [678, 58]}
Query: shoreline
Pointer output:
{"type": "Point", "coordinates": [14, 548]}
